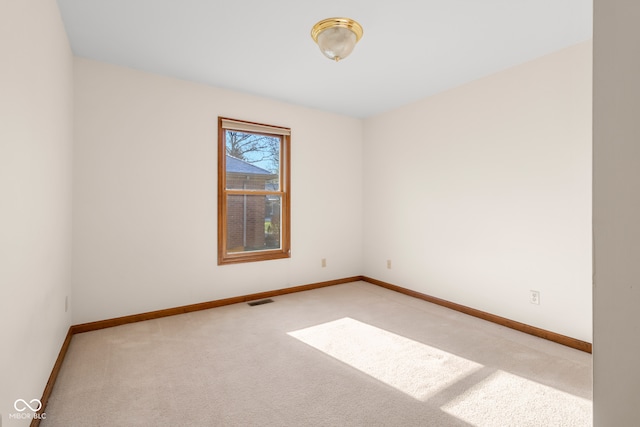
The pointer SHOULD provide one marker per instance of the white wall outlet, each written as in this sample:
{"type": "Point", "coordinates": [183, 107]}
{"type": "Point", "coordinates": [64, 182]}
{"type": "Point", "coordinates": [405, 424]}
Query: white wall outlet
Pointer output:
{"type": "Point", "coordinates": [534, 297]}
{"type": "Point", "coordinates": [389, 264]}
{"type": "Point", "coordinates": [324, 262]}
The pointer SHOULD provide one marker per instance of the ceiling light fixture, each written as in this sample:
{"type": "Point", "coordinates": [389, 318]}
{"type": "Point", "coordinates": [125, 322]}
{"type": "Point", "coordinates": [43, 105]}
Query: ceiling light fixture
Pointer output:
{"type": "Point", "coordinates": [336, 37]}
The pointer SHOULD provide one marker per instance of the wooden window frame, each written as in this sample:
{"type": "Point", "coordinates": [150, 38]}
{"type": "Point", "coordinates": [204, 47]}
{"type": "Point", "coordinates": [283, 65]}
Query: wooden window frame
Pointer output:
{"type": "Point", "coordinates": [284, 192]}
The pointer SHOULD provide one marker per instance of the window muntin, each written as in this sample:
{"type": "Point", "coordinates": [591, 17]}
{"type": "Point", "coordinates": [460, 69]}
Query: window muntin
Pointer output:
{"type": "Point", "coordinates": [253, 192]}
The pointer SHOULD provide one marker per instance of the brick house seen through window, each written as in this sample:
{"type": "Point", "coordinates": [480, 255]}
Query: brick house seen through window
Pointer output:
{"type": "Point", "coordinates": [251, 220]}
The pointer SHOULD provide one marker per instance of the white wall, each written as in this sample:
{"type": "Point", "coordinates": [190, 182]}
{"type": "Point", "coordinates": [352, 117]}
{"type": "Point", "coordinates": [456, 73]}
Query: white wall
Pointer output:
{"type": "Point", "coordinates": [145, 189]}
{"type": "Point", "coordinates": [35, 197]}
{"type": "Point", "coordinates": [482, 193]}
{"type": "Point", "coordinates": [616, 213]}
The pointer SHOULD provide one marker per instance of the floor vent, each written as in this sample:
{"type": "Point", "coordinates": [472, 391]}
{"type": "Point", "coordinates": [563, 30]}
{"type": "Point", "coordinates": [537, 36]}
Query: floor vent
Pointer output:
{"type": "Point", "coordinates": [260, 302]}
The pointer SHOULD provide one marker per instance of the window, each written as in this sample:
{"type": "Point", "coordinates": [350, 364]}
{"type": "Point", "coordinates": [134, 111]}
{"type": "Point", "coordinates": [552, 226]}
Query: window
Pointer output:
{"type": "Point", "coordinates": [253, 191]}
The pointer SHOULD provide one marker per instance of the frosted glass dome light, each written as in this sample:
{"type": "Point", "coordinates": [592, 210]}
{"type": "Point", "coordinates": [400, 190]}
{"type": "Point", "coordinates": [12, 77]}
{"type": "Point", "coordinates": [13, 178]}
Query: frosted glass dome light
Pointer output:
{"type": "Point", "coordinates": [336, 37]}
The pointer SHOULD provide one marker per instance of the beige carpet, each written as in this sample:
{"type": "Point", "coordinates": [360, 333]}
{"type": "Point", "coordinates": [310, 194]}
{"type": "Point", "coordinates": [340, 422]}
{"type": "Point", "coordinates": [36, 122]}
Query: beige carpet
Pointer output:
{"type": "Point", "coordinates": [347, 355]}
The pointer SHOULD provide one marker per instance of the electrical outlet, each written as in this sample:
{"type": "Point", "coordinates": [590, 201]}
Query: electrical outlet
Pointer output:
{"type": "Point", "coordinates": [534, 297]}
{"type": "Point", "coordinates": [389, 264]}
{"type": "Point", "coordinates": [324, 262]}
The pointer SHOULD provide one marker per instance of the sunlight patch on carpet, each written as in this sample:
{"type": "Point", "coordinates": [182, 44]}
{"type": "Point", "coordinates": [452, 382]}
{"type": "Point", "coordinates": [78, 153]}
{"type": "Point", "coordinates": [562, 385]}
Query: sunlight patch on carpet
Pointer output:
{"type": "Point", "coordinates": [413, 368]}
{"type": "Point", "coordinates": [504, 397]}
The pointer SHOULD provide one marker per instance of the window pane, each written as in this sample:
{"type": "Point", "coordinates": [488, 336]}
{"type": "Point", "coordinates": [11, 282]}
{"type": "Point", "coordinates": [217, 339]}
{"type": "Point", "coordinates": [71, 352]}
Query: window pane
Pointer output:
{"type": "Point", "coordinates": [253, 223]}
{"type": "Point", "coordinates": [253, 161]}
{"type": "Point", "coordinates": [253, 187]}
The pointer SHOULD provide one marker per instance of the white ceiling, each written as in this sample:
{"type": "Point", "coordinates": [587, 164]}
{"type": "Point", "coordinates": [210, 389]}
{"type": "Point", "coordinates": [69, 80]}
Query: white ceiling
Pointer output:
{"type": "Point", "coordinates": [410, 48]}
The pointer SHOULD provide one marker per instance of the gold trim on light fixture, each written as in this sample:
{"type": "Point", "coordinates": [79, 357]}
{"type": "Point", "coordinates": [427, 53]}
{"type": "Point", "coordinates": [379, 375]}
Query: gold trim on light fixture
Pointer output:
{"type": "Point", "coordinates": [337, 22]}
